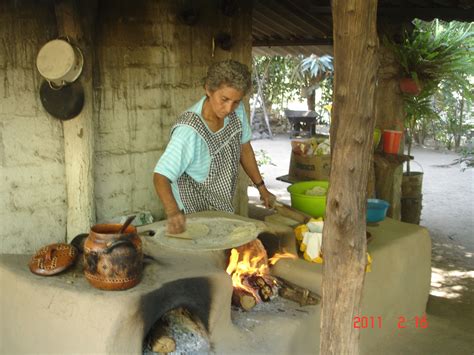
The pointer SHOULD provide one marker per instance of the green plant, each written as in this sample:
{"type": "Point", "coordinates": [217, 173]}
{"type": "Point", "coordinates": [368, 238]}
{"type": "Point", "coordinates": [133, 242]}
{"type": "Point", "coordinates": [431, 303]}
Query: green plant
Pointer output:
{"type": "Point", "coordinates": [455, 105]}
{"type": "Point", "coordinates": [263, 158]}
{"type": "Point", "coordinates": [417, 109]}
{"type": "Point", "coordinates": [274, 73]}
{"type": "Point", "coordinates": [326, 99]}
{"type": "Point", "coordinates": [310, 72]}
{"type": "Point", "coordinates": [434, 51]}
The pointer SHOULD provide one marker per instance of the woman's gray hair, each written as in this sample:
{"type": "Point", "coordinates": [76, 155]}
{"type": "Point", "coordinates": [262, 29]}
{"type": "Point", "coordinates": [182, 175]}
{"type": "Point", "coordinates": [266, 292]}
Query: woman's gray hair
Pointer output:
{"type": "Point", "coordinates": [230, 73]}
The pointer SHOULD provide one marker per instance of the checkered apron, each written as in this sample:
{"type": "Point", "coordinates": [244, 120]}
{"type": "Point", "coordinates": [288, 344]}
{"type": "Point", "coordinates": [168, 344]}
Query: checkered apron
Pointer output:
{"type": "Point", "coordinates": [217, 191]}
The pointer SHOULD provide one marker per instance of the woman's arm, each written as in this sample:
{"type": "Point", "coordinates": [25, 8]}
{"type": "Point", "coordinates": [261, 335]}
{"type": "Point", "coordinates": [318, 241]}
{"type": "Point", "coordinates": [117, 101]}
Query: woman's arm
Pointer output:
{"type": "Point", "coordinates": [247, 159]}
{"type": "Point", "coordinates": [176, 221]}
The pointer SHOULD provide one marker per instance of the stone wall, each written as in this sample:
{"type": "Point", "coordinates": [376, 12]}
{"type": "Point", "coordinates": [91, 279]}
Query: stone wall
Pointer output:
{"type": "Point", "coordinates": [149, 67]}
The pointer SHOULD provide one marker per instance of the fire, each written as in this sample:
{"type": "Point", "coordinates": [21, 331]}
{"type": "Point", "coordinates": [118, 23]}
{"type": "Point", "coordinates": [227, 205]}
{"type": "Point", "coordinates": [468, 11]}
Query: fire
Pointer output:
{"type": "Point", "coordinates": [273, 260]}
{"type": "Point", "coordinates": [248, 265]}
{"type": "Point", "coordinates": [243, 264]}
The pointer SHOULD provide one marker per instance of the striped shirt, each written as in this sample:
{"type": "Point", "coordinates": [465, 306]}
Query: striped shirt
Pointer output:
{"type": "Point", "coordinates": [188, 152]}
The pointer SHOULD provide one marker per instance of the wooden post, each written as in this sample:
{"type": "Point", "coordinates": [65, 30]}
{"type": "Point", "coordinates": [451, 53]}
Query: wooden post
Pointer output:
{"type": "Point", "coordinates": [79, 131]}
{"type": "Point", "coordinates": [352, 126]}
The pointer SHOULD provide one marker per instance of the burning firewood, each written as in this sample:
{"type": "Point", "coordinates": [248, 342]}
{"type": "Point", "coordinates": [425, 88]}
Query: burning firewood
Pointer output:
{"type": "Point", "coordinates": [249, 267]}
{"type": "Point", "coordinates": [298, 294]}
{"type": "Point", "coordinates": [243, 299]}
{"type": "Point", "coordinates": [260, 285]}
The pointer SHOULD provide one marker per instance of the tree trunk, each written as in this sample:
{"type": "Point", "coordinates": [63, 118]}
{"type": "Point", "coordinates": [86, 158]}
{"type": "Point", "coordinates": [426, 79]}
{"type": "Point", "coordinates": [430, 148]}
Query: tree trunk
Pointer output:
{"type": "Point", "coordinates": [457, 137]}
{"type": "Point", "coordinates": [311, 101]}
{"type": "Point", "coordinates": [353, 121]}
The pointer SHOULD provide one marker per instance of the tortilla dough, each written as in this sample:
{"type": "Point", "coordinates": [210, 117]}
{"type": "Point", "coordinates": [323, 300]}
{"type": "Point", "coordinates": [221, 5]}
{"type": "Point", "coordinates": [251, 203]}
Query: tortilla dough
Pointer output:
{"type": "Point", "coordinates": [193, 231]}
{"type": "Point", "coordinates": [204, 233]}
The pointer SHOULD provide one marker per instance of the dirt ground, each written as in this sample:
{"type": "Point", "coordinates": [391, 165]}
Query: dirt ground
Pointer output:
{"type": "Point", "coordinates": [448, 213]}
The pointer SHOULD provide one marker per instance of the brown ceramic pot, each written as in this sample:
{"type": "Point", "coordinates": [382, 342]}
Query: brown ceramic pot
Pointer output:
{"type": "Point", "coordinates": [113, 261]}
{"type": "Point", "coordinates": [409, 86]}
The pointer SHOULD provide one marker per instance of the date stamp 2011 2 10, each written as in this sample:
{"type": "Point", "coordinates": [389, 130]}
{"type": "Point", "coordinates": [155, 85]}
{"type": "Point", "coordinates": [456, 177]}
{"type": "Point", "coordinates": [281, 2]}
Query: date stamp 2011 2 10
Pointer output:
{"type": "Point", "coordinates": [373, 322]}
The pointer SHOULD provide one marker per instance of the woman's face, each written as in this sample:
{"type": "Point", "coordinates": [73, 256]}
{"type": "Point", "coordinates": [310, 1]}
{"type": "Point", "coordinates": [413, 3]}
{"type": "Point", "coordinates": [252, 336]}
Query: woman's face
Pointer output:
{"type": "Point", "coordinates": [224, 100]}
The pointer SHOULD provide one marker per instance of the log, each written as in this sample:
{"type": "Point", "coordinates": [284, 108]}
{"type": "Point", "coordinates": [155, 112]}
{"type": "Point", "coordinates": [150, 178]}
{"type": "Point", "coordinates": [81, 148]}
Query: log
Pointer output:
{"type": "Point", "coordinates": [164, 344]}
{"type": "Point", "coordinates": [243, 299]}
{"type": "Point", "coordinates": [261, 285]}
{"type": "Point", "coordinates": [298, 294]}
{"type": "Point", "coordinates": [170, 328]}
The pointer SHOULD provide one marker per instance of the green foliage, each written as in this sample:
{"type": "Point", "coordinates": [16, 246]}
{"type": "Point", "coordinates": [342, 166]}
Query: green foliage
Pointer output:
{"type": "Point", "coordinates": [285, 78]}
{"type": "Point", "coordinates": [456, 116]}
{"type": "Point", "coordinates": [326, 98]}
{"type": "Point", "coordinates": [275, 76]}
{"type": "Point", "coordinates": [311, 70]}
{"type": "Point", "coordinates": [436, 55]}
{"type": "Point", "coordinates": [436, 51]}
{"type": "Point", "coordinates": [263, 158]}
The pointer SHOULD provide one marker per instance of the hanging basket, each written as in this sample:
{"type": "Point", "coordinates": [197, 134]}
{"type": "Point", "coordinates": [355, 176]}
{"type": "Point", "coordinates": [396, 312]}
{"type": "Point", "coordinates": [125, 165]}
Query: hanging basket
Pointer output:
{"type": "Point", "coordinates": [410, 86]}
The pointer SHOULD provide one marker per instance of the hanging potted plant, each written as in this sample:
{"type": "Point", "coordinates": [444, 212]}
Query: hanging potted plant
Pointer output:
{"type": "Point", "coordinates": [432, 52]}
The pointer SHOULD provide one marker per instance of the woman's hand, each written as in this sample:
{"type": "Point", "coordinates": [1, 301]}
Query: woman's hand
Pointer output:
{"type": "Point", "coordinates": [176, 222]}
{"type": "Point", "coordinates": [266, 196]}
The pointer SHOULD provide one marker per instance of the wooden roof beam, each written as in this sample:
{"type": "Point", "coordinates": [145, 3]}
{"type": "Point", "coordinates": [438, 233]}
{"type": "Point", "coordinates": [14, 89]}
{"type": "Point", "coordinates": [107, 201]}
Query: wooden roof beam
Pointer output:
{"type": "Point", "coordinates": [408, 12]}
{"type": "Point", "coordinates": [291, 42]}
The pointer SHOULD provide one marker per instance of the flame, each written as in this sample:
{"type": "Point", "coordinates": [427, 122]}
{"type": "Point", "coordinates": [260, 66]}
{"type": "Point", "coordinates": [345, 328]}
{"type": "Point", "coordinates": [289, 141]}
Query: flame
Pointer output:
{"type": "Point", "coordinates": [248, 265]}
{"type": "Point", "coordinates": [243, 265]}
{"type": "Point", "coordinates": [273, 260]}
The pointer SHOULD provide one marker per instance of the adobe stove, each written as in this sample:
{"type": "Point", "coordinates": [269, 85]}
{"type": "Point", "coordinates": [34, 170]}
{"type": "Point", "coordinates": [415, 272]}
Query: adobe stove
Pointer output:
{"type": "Point", "coordinates": [209, 294]}
{"type": "Point", "coordinates": [255, 291]}
{"type": "Point", "coordinates": [184, 297]}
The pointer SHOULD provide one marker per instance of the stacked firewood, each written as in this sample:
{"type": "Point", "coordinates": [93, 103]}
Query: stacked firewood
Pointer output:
{"type": "Point", "coordinates": [258, 288]}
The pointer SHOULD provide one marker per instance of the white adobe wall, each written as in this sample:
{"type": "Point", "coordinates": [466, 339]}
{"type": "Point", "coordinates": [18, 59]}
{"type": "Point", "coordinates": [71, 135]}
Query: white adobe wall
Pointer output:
{"type": "Point", "coordinates": [150, 68]}
{"type": "Point", "coordinates": [32, 181]}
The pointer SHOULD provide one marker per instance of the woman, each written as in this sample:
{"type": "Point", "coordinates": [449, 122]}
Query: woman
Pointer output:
{"type": "Point", "coordinates": [199, 168]}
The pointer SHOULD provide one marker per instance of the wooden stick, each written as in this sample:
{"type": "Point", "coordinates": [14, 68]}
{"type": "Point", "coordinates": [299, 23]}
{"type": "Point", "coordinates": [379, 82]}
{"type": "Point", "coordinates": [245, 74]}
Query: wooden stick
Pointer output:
{"type": "Point", "coordinates": [298, 294]}
{"type": "Point", "coordinates": [243, 299]}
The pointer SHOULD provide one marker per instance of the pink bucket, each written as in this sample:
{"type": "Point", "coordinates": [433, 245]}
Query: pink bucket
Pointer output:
{"type": "Point", "coordinates": [391, 141]}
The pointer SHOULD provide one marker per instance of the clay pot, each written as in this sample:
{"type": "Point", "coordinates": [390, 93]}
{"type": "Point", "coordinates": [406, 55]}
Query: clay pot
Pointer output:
{"type": "Point", "coordinates": [113, 261]}
{"type": "Point", "coordinates": [409, 86]}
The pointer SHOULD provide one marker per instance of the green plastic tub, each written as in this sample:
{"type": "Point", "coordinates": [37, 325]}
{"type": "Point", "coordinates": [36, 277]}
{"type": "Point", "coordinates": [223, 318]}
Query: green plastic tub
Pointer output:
{"type": "Point", "coordinates": [312, 205]}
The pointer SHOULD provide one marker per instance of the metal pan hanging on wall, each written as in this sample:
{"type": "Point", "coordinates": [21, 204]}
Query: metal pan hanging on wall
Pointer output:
{"type": "Point", "coordinates": [60, 62]}
{"type": "Point", "coordinates": [65, 102]}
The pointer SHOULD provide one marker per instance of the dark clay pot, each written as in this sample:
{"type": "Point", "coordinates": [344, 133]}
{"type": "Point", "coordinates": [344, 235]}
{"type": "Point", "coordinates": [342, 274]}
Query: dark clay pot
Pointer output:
{"type": "Point", "coordinates": [113, 261]}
